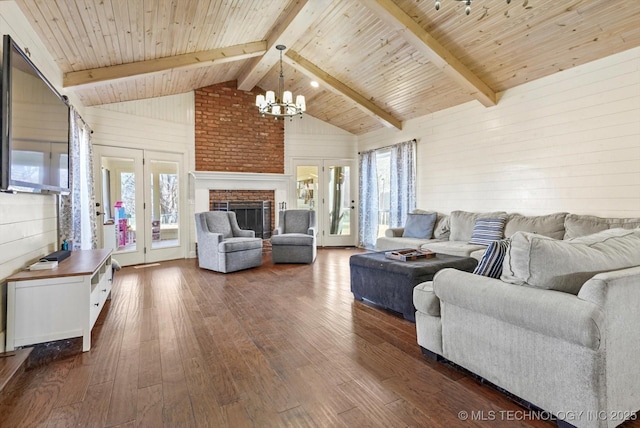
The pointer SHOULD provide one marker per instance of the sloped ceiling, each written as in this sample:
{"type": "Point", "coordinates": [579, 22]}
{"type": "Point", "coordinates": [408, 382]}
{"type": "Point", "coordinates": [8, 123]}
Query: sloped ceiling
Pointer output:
{"type": "Point", "coordinates": [379, 62]}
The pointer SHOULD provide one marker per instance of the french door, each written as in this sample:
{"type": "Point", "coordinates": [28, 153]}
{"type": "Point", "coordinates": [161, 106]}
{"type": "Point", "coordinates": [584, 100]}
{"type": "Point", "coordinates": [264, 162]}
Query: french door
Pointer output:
{"type": "Point", "coordinates": [328, 187]}
{"type": "Point", "coordinates": [140, 193]}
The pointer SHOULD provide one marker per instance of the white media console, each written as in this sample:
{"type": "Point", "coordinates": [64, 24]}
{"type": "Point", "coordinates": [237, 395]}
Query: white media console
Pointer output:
{"type": "Point", "coordinates": [58, 303]}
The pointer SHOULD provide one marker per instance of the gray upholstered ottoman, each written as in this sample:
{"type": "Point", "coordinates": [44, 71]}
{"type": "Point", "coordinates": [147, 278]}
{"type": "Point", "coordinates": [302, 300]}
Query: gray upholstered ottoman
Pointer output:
{"type": "Point", "coordinates": [389, 283]}
{"type": "Point", "coordinates": [293, 248]}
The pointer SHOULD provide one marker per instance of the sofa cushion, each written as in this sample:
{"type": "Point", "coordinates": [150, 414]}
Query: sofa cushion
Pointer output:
{"type": "Point", "coordinates": [463, 222]}
{"type": "Point", "coordinates": [543, 262]}
{"type": "Point", "coordinates": [441, 229]}
{"type": "Point", "coordinates": [551, 225]}
{"type": "Point", "coordinates": [491, 262]}
{"type": "Point", "coordinates": [385, 243]}
{"type": "Point", "coordinates": [487, 230]}
{"type": "Point", "coordinates": [580, 225]}
{"type": "Point", "coordinates": [454, 248]}
{"type": "Point", "coordinates": [425, 300]}
{"type": "Point", "coordinates": [419, 225]}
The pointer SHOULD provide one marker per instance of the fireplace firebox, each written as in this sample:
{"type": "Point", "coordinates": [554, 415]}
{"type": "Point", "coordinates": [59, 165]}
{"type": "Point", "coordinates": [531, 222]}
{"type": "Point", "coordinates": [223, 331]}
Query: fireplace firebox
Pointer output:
{"type": "Point", "coordinates": [251, 215]}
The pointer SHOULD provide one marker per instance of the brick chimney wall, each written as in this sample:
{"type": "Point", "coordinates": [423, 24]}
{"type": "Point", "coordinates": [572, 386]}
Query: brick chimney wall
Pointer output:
{"type": "Point", "coordinates": [230, 134]}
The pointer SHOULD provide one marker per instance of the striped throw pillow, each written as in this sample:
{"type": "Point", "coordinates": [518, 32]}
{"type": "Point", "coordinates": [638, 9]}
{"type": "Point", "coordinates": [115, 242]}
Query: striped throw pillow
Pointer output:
{"type": "Point", "coordinates": [487, 230]}
{"type": "Point", "coordinates": [491, 262]}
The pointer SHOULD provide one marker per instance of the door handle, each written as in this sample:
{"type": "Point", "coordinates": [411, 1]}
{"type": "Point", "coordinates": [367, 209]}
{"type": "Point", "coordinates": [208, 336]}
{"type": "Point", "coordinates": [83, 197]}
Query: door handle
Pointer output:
{"type": "Point", "coordinates": [99, 213]}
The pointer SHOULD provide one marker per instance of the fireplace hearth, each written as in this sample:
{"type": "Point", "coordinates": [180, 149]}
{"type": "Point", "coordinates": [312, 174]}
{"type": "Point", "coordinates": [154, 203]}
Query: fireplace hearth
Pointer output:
{"type": "Point", "coordinates": [251, 215]}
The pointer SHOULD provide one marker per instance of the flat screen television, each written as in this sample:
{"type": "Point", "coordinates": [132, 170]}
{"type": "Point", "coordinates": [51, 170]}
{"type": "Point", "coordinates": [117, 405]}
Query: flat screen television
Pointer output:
{"type": "Point", "coordinates": [34, 121]}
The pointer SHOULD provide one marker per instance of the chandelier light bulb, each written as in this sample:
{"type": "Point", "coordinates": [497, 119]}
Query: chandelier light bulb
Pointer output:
{"type": "Point", "coordinates": [287, 97]}
{"type": "Point", "coordinates": [270, 97]}
{"type": "Point", "coordinates": [260, 101]}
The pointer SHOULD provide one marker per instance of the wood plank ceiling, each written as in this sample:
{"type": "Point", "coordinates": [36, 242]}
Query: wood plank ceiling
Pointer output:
{"type": "Point", "coordinates": [380, 62]}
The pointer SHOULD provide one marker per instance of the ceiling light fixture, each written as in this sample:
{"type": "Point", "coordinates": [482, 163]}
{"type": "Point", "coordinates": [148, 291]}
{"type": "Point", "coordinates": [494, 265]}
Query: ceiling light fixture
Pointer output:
{"type": "Point", "coordinates": [467, 9]}
{"type": "Point", "coordinates": [280, 104]}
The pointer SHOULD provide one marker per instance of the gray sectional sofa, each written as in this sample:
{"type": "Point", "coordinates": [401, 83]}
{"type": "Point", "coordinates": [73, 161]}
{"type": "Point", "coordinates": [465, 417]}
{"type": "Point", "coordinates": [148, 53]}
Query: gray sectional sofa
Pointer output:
{"type": "Point", "coordinates": [559, 327]}
{"type": "Point", "coordinates": [451, 233]}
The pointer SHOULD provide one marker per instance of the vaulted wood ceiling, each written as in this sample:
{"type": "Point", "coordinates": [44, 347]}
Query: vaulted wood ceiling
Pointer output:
{"type": "Point", "coordinates": [379, 62]}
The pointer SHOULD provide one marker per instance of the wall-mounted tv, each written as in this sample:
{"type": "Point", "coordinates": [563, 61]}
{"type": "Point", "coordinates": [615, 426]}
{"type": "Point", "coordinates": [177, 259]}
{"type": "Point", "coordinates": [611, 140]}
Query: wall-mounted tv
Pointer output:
{"type": "Point", "coordinates": [34, 121]}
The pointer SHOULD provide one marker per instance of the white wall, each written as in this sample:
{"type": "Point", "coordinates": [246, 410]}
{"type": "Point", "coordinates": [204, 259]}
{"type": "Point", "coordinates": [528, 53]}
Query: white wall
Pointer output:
{"type": "Point", "coordinates": [567, 142]}
{"type": "Point", "coordinates": [311, 138]}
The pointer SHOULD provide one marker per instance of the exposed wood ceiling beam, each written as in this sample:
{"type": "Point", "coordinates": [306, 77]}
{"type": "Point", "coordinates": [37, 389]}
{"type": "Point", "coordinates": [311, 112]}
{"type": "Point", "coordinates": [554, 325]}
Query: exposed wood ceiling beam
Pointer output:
{"type": "Point", "coordinates": [186, 61]}
{"type": "Point", "coordinates": [297, 21]}
{"type": "Point", "coordinates": [420, 39]}
{"type": "Point", "coordinates": [311, 70]}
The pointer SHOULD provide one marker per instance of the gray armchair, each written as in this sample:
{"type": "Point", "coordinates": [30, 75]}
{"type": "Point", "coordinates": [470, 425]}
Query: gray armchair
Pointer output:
{"type": "Point", "coordinates": [294, 240]}
{"type": "Point", "coordinates": [223, 246]}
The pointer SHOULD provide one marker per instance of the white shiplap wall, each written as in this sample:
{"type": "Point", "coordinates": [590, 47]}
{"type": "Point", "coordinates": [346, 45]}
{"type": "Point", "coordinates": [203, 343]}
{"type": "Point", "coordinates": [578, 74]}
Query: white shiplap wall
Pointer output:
{"type": "Point", "coordinates": [311, 138]}
{"type": "Point", "coordinates": [28, 223]}
{"type": "Point", "coordinates": [567, 142]}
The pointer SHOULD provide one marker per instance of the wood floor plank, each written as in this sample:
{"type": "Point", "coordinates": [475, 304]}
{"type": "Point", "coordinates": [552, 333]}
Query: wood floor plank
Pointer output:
{"type": "Point", "coordinates": [95, 406]}
{"type": "Point", "coordinates": [277, 345]}
{"type": "Point", "coordinates": [149, 409]}
{"type": "Point", "coordinates": [123, 403]}
{"type": "Point", "coordinates": [75, 386]}
{"type": "Point", "coordinates": [65, 416]}
{"type": "Point", "coordinates": [149, 367]}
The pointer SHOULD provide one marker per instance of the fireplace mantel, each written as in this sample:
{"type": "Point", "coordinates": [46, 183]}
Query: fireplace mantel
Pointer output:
{"type": "Point", "coordinates": [212, 180]}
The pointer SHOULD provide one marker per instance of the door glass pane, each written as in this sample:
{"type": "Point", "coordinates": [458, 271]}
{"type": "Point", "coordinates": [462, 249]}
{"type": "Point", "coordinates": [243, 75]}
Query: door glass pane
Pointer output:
{"type": "Point", "coordinates": [306, 187]}
{"type": "Point", "coordinates": [119, 195]}
{"type": "Point", "coordinates": [339, 200]}
{"type": "Point", "coordinates": [164, 204]}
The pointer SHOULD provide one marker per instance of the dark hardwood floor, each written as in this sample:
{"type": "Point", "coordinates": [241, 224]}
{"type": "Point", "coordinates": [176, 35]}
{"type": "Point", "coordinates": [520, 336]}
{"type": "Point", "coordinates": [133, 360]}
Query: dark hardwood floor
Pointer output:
{"type": "Point", "coordinates": [279, 345]}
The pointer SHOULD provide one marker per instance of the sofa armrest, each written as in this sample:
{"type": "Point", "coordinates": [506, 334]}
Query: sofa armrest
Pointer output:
{"type": "Point", "coordinates": [278, 231]}
{"type": "Point", "coordinates": [619, 285]}
{"type": "Point", "coordinates": [394, 232]}
{"type": "Point", "coordinates": [617, 293]}
{"type": "Point", "coordinates": [311, 231]}
{"type": "Point", "coordinates": [552, 313]}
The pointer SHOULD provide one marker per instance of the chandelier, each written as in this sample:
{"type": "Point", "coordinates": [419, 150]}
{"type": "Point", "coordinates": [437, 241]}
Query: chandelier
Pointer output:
{"type": "Point", "coordinates": [467, 9]}
{"type": "Point", "coordinates": [280, 104]}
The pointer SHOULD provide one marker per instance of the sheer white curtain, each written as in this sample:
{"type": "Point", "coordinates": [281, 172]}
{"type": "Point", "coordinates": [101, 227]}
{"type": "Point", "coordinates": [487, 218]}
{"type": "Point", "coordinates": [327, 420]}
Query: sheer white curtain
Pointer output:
{"type": "Point", "coordinates": [403, 182]}
{"type": "Point", "coordinates": [368, 217]}
{"type": "Point", "coordinates": [78, 209]}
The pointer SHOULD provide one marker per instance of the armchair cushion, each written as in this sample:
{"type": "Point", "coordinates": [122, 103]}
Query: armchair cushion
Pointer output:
{"type": "Point", "coordinates": [292, 239]}
{"type": "Point", "coordinates": [296, 221]}
{"type": "Point", "coordinates": [219, 224]}
{"type": "Point", "coordinates": [239, 244]}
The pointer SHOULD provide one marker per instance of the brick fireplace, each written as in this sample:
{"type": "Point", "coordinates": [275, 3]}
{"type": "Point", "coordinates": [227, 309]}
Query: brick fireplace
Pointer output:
{"type": "Point", "coordinates": [239, 155]}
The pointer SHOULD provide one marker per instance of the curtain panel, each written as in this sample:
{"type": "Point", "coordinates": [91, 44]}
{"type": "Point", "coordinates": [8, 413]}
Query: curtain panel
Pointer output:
{"type": "Point", "coordinates": [368, 212]}
{"type": "Point", "coordinates": [403, 182]}
{"type": "Point", "coordinates": [78, 209]}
